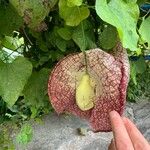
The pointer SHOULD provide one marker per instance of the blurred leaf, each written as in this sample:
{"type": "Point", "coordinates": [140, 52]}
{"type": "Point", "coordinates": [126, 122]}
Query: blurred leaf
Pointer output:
{"type": "Point", "coordinates": [137, 67]}
{"type": "Point", "coordinates": [9, 19]}
{"type": "Point", "coordinates": [25, 135]}
{"type": "Point", "coordinates": [56, 55]}
{"type": "Point", "coordinates": [83, 36]}
{"type": "Point", "coordinates": [133, 73]}
{"type": "Point", "coordinates": [43, 59]}
{"type": "Point", "coordinates": [42, 44]}
{"type": "Point", "coordinates": [140, 91]}
{"type": "Point", "coordinates": [33, 12]}
{"type": "Point", "coordinates": [4, 56]}
{"type": "Point", "coordinates": [6, 143]}
{"type": "Point", "coordinates": [61, 44]}
{"type": "Point", "coordinates": [65, 33]}
{"type": "Point", "coordinates": [34, 111]}
{"type": "Point", "coordinates": [13, 78]}
{"type": "Point", "coordinates": [12, 43]}
{"type": "Point", "coordinates": [124, 19]}
{"type": "Point", "coordinates": [140, 65]}
{"type": "Point", "coordinates": [138, 51]}
{"type": "Point", "coordinates": [72, 15]}
{"type": "Point", "coordinates": [145, 30]}
{"type": "Point", "coordinates": [72, 3]}
{"type": "Point", "coordinates": [36, 88]}
{"type": "Point", "coordinates": [108, 37]}
{"type": "Point", "coordinates": [52, 3]}
{"type": "Point", "coordinates": [56, 40]}
{"type": "Point", "coordinates": [141, 1]}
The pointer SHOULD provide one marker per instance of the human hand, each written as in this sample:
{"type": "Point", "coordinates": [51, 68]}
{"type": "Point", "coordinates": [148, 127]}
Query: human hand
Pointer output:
{"type": "Point", "coordinates": [126, 135]}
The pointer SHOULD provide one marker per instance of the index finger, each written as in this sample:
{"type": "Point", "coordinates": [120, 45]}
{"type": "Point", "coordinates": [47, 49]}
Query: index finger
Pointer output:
{"type": "Point", "coordinates": [122, 139]}
{"type": "Point", "coordinates": [138, 140]}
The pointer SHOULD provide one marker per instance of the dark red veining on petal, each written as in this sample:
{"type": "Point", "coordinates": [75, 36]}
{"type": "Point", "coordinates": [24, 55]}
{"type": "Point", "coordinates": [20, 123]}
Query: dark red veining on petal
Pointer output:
{"type": "Point", "coordinates": [111, 72]}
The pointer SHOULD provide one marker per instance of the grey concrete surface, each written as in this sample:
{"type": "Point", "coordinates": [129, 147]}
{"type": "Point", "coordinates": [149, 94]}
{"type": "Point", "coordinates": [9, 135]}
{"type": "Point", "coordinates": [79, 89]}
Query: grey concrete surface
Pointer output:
{"type": "Point", "coordinates": [60, 132]}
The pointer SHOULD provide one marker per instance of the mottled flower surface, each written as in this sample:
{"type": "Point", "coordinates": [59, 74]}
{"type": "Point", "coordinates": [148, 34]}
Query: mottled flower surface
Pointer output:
{"type": "Point", "coordinates": [110, 75]}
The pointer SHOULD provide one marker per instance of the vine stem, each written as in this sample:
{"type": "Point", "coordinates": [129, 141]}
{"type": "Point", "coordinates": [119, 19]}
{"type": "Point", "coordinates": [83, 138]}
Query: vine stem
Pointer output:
{"type": "Point", "coordinates": [83, 36]}
{"type": "Point", "coordinates": [92, 7]}
{"type": "Point", "coordinates": [146, 14]}
{"type": "Point", "coordinates": [27, 36]}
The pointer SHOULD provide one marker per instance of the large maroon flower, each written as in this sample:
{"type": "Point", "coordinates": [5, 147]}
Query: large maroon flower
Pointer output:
{"type": "Point", "coordinates": [111, 75]}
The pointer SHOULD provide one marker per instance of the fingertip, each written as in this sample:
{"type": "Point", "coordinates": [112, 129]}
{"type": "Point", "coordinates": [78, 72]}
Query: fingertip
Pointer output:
{"type": "Point", "coordinates": [135, 135]}
{"type": "Point", "coordinates": [125, 120]}
{"type": "Point", "coordinates": [122, 140]}
{"type": "Point", "coordinates": [128, 122]}
{"type": "Point", "coordinates": [113, 114]}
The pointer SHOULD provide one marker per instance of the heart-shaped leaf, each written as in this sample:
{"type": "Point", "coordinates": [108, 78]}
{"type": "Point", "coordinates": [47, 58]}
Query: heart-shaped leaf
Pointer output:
{"type": "Point", "coordinates": [72, 15]}
{"type": "Point", "coordinates": [123, 15]}
{"type": "Point", "coordinates": [13, 78]}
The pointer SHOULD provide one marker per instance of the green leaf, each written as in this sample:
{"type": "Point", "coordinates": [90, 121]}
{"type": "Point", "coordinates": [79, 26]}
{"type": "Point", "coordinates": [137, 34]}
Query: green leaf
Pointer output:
{"type": "Point", "coordinates": [42, 44]}
{"type": "Point", "coordinates": [13, 78]}
{"type": "Point", "coordinates": [56, 55]}
{"type": "Point", "coordinates": [36, 88]}
{"type": "Point", "coordinates": [145, 30]}
{"type": "Point", "coordinates": [83, 36]}
{"type": "Point", "coordinates": [133, 72]}
{"type": "Point", "coordinates": [43, 59]}
{"type": "Point", "coordinates": [61, 44]}
{"type": "Point", "coordinates": [65, 33]}
{"type": "Point", "coordinates": [9, 19]}
{"type": "Point", "coordinates": [56, 40]}
{"type": "Point", "coordinates": [72, 15]}
{"type": "Point", "coordinates": [72, 3]}
{"type": "Point", "coordinates": [140, 65]}
{"type": "Point", "coordinates": [122, 15]}
{"type": "Point", "coordinates": [141, 1]}
{"type": "Point", "coordinates": [137, 67]}
{"type": "Point", "coordinates": [25, 135]}
{"type": "Point", "coordinates": [12, 43]}
{"type": "Point", "coordinates": [6, 142]}
{"type": "Point", "coordinates": [34, 111]}
{"type": "Point", "coordinates": [34, 12]}
{"type": "Point", "coordinates": [108, 37]}
{"type": "Point", "coordinates": [4, 56]}
{"type": "Point", "coordinates": [52, 3]}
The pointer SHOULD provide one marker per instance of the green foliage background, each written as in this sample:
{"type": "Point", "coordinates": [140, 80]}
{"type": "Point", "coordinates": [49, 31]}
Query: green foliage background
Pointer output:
{"type": "Point", "coordinates": [36, 34]}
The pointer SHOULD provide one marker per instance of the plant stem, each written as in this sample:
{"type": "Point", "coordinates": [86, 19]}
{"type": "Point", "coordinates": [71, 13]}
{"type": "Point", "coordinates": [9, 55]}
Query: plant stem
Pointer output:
{"type": "Point", "coordinates": [83, 50]}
